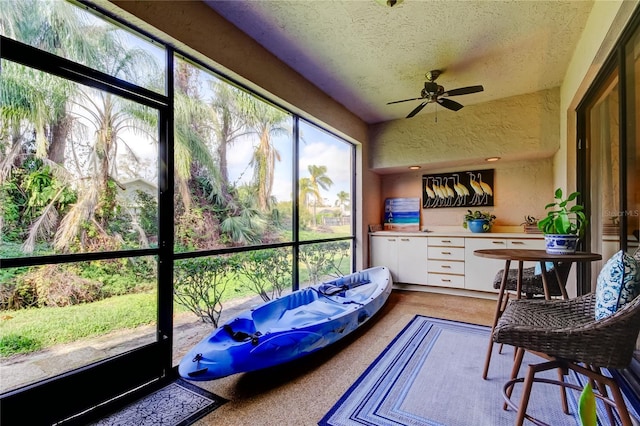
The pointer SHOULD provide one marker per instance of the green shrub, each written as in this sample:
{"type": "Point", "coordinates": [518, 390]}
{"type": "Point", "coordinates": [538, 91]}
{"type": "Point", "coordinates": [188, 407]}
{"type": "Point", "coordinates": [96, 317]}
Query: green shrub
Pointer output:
{"type": "Point", "coordinates": [266, 272]}
{"type": "Point", "coordinates": [17, 294]}
{"type": "Point", "coordinates": [324, 259]}
{"type": "Point", "coordinates": [57, 285]}
{"type": "Point", "coordinates": [199, 284]}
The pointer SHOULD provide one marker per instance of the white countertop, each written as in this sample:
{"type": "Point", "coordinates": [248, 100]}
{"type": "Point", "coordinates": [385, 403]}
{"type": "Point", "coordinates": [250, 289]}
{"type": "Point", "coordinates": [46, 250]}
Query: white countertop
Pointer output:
{"type": "Point", "coordinates": [496, 232]}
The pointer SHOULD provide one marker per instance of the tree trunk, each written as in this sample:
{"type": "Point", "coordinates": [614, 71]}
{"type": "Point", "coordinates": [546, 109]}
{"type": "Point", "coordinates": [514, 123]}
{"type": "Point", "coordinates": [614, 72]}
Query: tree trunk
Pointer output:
{"type": "Point", "coordinates": [59, 133]}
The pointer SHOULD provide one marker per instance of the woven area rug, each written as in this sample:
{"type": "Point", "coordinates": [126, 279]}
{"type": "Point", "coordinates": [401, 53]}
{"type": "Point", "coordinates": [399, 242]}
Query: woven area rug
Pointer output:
{"type": "Point", "coordinates": [178, 404]}
{"type": "Point", "coordinates": [431, 374]}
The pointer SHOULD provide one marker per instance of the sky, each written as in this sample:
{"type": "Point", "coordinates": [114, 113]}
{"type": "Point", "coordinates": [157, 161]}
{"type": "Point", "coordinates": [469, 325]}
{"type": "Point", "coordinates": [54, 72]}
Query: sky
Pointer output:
{"type": "Point", "coordinates": [316, 148]}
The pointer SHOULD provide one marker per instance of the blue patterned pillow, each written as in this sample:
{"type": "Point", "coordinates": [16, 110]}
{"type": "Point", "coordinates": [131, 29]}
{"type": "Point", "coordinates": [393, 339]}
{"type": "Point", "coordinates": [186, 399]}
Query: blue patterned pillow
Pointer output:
{"type": "Point", "coordinates": [618, 284]}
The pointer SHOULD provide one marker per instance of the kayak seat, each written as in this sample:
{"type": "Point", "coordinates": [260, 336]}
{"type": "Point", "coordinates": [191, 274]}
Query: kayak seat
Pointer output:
{"type": "Point", "coordinates": [313, 312]}
{"type": "Point", "coordinates": [301, 298]}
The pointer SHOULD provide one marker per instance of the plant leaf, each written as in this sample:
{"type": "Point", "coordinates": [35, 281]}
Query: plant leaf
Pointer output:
{"type": "Point", "coordinates": [587, 407]}
{"type": "Point", "coordinates": [573, 196]}
{"type": "Point", "coordinates": [558, 193]}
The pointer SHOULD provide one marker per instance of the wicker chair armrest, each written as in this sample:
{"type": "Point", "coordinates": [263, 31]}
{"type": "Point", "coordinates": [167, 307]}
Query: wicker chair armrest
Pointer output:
{"type": "Point", "coordinates": [568, 329]}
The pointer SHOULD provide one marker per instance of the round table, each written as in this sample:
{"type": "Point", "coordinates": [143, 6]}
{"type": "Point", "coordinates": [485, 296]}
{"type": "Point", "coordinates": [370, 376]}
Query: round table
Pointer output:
{"type": "Point", "coordinates": [525, 255]}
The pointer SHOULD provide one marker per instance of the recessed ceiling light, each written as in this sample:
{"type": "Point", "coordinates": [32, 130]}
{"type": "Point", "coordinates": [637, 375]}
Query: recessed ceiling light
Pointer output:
{"type": "Point", "coordinates": [414, 167]}
{"type": "Point", "coordinates": [492, 159]}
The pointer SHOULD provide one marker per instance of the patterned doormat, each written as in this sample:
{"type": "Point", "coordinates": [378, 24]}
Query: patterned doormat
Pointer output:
{"type": "Point", "coordinates": [178, 404]}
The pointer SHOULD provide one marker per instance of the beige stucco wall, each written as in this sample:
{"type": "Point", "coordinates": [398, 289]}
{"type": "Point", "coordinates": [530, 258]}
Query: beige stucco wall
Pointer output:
{"type": "Point", "coordinates": [519, 190]}
{"type": "Point", "coordinates": [522, 188]}
{"type": "Point", "coordinates": [523, 130]}
{"type": "Point", "coordinates": [514, 128]}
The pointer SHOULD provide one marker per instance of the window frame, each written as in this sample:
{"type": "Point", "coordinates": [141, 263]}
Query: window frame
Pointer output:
{"type": "Point", "coordinates": [79, 385]}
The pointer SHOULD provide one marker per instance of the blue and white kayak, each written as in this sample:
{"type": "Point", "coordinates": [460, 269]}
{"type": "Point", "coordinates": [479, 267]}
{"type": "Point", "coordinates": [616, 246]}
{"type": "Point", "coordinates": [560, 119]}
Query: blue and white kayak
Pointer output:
{"type": "Point", "coordinates": [290, 327]}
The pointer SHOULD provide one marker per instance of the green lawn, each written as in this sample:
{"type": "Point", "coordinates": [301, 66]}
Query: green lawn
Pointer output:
{"type": "Point", "coordinates": [27, 330]}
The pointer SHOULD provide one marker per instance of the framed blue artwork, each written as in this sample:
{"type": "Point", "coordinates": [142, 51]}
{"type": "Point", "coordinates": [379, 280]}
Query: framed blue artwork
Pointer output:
{"type": "Point", "coordinates": [402, 214]}
{"type": "Point", "coordinates": [472, 188]}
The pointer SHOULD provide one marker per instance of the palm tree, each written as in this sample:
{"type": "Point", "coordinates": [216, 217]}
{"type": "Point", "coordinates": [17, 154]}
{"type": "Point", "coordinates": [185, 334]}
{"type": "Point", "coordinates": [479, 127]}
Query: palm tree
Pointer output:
{"type": "Point", "coordinates": [57, 27]}
{"type": "Point", "coordinates": [202, 129]}
{"type": "Point", "coordinates": [191, 135]}
{"type": "Point", "coordinates": [342, 201]}
{"type": "Point", "coordinates": [318, 179]}
{"type": "Point", "coordinates": [266, 122]}
{"type": "Point", "coordinates": [304, 194]}
{"type": "Point", "coordinates": [54, 27]}
{"type": "Point", "coordinates": [229, 124]}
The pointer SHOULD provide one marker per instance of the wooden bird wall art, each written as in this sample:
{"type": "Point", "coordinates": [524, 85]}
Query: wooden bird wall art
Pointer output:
{"type": "Point", "coordinates": [460, 189]}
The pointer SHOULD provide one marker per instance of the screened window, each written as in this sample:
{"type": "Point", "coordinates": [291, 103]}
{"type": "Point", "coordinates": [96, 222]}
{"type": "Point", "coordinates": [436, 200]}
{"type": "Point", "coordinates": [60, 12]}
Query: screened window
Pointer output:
{"type": "Point", "coordinates": [233, 165]}
{"type": "Point", "coordinates": [77, 34]}
{"type": "Point", "coordinates": [325, 184]}
{"type": "Point", "coordinates": [94, 187]}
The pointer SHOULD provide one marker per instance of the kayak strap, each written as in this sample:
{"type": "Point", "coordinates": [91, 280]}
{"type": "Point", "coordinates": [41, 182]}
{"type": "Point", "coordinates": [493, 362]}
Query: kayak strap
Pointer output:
{"type": "Point", "coordinates": [241, 336]}
{"type": "Point", "coordinates": [330, 290]}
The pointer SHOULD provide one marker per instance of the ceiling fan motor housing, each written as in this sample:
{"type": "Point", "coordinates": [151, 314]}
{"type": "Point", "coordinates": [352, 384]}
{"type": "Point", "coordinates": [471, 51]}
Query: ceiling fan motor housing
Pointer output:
{"type": "Point", "coordinates": [431, 90]}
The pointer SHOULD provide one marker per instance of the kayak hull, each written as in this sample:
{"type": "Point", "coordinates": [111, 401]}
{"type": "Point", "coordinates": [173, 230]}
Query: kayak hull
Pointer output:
{"type": "Point", "coordinates": [289, 327]}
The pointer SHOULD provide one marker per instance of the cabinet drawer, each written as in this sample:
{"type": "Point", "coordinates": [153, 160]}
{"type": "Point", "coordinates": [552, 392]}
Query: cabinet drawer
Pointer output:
{"type": "Point", "coordinates": [446, 241]}
{"type": "Point", "coordinates": [445, 266]}
{"type": "Point", "coordinates": [445, 253]}
{"type": "Point", "coordinates": [444, 280]}
{"type": "Point", "coordinates": [489, 243]}
{"type": "Point", "coordinates": [526, 244]}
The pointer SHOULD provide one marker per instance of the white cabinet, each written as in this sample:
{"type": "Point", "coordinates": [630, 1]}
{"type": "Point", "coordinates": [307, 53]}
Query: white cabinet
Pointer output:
{"type": "Point", "coordinates": [445, 265]}
{"type": "Point", "coordinates": [384, 252]}
{"type": "Point", "coordinates": [445, 261]}
{"type": "Point", "coordinates": [481, 271]}
{"type": "Point", "coordinates": [406, 257]}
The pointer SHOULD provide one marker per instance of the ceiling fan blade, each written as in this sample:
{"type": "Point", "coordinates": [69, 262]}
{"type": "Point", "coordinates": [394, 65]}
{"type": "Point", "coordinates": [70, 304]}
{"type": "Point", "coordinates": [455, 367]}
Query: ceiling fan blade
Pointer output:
{"type": "Point", "coordinates": [404, 100]}
{"type": "Point", "coordinates": [463, 91]}
{"type": "Point", "coordinates": [417, 109]}
{"type": "Point", "coordinates": [449, 104]}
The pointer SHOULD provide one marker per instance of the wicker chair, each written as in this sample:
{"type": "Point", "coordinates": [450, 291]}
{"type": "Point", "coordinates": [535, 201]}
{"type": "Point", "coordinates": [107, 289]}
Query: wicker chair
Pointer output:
{"type": "Point", "coordinates": [567, 333]}
{"type": "Point", "coordinates": [531, 283]}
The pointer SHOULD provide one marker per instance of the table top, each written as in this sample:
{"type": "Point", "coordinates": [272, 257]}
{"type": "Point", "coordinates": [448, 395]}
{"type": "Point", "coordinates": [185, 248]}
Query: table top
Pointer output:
{"type": "Point", "coordinates": [536, 255]}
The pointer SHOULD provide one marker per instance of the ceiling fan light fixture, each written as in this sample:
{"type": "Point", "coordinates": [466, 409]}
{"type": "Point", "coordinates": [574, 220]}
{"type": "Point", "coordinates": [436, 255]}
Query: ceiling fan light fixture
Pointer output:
{"type": "Point", "coordinates": [433, 92]}
{"type": "Point", "coordinates": [389, 3]}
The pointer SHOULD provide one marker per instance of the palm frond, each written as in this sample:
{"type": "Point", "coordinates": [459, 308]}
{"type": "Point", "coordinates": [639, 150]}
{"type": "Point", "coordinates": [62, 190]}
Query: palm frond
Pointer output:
{"type": "Point", "coordinates": [42, 227]}
{"type": "Point", "coordinates": [79, 213]}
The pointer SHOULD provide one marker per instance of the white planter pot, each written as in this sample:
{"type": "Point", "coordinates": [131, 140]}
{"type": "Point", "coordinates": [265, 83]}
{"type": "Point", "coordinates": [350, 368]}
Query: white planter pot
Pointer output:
{"type": "Point", "coordinates": [561, 243]}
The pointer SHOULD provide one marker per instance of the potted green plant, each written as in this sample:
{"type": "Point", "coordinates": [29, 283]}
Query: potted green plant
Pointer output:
{"type": "Point", "coordinates": [478, 221]}
{"type": "Point", "coordinates": [564, 225]}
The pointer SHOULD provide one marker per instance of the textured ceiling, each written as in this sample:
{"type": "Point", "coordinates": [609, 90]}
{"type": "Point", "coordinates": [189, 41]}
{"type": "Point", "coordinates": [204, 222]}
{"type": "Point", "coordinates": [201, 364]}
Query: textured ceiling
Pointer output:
{"type": "Point", "coordinates": [364, 54]}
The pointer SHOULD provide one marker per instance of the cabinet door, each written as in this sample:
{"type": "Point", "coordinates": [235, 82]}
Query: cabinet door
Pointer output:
{"type": "Point", "coordinates": [412, 260]}
{"type": "Point", "coordinates": [384, 252]}
{"type": "Point", "coordinates": [479, 271]}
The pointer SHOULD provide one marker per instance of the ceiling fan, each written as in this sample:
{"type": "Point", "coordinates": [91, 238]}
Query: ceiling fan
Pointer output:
{"type": "Point", "coordinates": [433, 92]}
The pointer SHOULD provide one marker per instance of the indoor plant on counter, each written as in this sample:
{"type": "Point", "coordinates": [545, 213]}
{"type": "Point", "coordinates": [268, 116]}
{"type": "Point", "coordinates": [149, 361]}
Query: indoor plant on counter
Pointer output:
{"type": "Point", "coordinates": [563, 226]}
{"type": "Point", "coordinates": [478, 221]}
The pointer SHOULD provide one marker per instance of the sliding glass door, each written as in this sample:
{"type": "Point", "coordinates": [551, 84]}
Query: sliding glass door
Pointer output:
{"type": "Point", "coordinates": [84, 113]}
{"type": "Point", "coordinates": [609, 163]}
